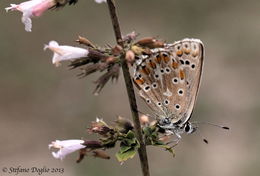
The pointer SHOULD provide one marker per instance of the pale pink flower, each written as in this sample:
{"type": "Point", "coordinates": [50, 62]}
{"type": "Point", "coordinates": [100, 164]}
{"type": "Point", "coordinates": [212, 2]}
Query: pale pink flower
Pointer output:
{"type": "Point", "coordinates": [144, 119]}
{"type": "Point", "coordinates": [100, 1]}
{"type": "Point", "coordinates": [63, 52]}
{"type": "Point", "coordinates": [32, 8]}
{"type": "Point", "coordinates": [66, 147]}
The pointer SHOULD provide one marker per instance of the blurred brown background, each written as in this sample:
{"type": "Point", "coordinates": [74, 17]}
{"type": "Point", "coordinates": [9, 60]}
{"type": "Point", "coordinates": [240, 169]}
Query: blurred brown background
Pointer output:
{"type": "Point", "coordinates": [40, 103]}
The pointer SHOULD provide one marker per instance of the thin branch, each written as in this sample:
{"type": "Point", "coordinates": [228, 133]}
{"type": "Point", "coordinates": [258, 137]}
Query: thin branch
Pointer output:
{"type": "Point", "coordinates": [130, 91]}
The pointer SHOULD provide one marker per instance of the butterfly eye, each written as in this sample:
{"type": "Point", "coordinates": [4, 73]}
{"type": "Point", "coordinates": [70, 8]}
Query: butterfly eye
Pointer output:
{"type": "Point", "coordinates": [187, 128]}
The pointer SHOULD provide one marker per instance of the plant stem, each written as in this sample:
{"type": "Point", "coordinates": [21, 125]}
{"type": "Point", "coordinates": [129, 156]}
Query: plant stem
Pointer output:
{"type": "Point", "coordinates": [130, 91]}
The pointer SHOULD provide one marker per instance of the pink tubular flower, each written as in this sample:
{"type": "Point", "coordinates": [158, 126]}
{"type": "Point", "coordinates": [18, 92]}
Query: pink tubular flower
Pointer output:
{"type": "Point", "coordinates": [66, 147]}
{"type": "Point", "coordinates": [32, 8]}
{"type": "Point", "coordinates": [100, 1]}
{"type": "Point", "coordinates": [63, 52]}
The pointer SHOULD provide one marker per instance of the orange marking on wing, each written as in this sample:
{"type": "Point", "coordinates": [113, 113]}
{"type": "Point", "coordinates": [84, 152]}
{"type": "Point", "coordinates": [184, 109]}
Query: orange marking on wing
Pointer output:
{"type": "Point", "coordinates": [152, 65]}
{"type": "Point", "coordinates": [158, 59]}
{"type": "Point", "coordinates": [194, 54]}
{"type": "Point", "coordinates": [182, 74]}
{"type": "Point", "coordinates": [186, 51]}
{"type": "Point", "coordinates": [175, 64]}
{"type": "Point", "coordinates": [139, 81]}
{"type": "Point", "coordinates": [146, 70]}
{"type": "Point", "coordinates": [179, 53]}
{"type": "Point", "coordinates": [166, 59]}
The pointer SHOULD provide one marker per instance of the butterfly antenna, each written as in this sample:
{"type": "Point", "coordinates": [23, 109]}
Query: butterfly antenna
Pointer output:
{"type": "Point", "coordinates": [212, 124]}
{"type": "Point", "coordinates": [201, 136]}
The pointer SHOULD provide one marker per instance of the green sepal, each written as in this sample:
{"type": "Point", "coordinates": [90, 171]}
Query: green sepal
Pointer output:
{"type": "Point", "coordinates": [124, 148]}
{"type": "Point", "coordinates": [128, 146]}
{"type": "Point", "coordinates": [126, 155]}
{"type": "Point", "coordinates": [130, 134]}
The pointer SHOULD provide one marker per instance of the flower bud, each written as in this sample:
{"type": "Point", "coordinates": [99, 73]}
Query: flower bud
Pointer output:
{"type": "Point", "coordinates": [117, 50]}
{"type": "Point", "coordinates": [100, 154]}
{"type": "Point", "coordinates": [137, 50]}
{"type": "Point", "coordinates": [82, 153]}
{"type": "Point", "coordinates": [92, 144]}
{"type": "Point", "coordinates": [144, 119]}
{"type": "Point", "coordinates": [130, 37]}
{"type": "Point", "coordinates": [130, 56]}
{"type": "Point", "coordinates": [85, 41]}
{"type": "Point", "coordinates": [123, 124]}
{"type": "Point", "coordinates": [150, 42]}
{"type": "Point", "coordinates": [110, 60]}
{"type": "Point", "coordinates": [99, 127]}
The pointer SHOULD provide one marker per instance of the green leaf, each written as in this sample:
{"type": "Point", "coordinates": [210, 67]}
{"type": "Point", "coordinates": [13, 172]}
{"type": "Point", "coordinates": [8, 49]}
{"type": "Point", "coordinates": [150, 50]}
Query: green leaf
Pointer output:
{"type": "Point", "coordinates": [124, 148]}
{"type": "Point", "coordinates": [130, 141]}
{"type": "Point", "coordinates": [130, 135]}
{"type": "Point", "coordinates": [126, 155]}
{"type": "Point", "coordinates": [147, 131]}
{"type": "Point", "coordinates": [155, 135]}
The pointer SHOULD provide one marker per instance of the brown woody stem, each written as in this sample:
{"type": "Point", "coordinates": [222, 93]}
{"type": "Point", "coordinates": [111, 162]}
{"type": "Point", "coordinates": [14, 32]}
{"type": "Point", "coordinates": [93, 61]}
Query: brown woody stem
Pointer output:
{"type": "Point", "coordinates": [130, 91]}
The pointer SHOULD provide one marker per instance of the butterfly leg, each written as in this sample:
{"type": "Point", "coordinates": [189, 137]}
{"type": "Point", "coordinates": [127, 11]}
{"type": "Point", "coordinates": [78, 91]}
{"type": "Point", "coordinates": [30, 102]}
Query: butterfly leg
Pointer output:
{"type": "Point", "coordinates": [174, 142]}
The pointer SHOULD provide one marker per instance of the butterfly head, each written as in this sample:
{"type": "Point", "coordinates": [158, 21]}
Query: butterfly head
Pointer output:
{"type": "Point", "coordinates": [189, 128]}
{"type": "Point", "coordinates": [176, 128]}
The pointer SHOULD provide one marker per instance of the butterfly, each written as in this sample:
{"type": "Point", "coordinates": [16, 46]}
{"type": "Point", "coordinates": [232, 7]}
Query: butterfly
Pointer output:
{"type": "Point", "coordinates": [168, 80]}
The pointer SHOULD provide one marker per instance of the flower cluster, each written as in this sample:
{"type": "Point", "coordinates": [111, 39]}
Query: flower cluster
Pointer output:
{"type": "Point", "coordinates": [35, 8]}
{"type": "Point", "coordinates": [89, 60]}
{"type": "Point", "coordinates": [93, 59]}
{"type": "Point", "coordinates": [121, 131]}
